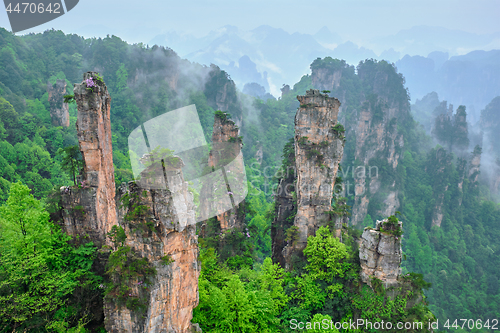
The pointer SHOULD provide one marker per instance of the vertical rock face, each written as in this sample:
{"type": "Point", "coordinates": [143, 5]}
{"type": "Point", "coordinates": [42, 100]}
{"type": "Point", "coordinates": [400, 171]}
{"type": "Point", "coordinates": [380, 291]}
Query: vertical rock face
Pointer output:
{"type": "Point", "coordinates": [375, 137]}
{"type": "Point", "coordinates": [58, 109]}
{"type": "Point", "coordinates": [221, 93]}
{"type": "Point", "coordinates": [93, 127]}
{"type": "Point", "coordinates": [154, 234]}
{"type": "Point", "coordinates": [440, 167]}
{"type": "Point", "coordinates": [157, 229]}
{"type": "Point", "coordinates": [326, 79]}
{"type": "Point", "coordinates": [380, 255]}
{"type": "Point", "coordinates": [285, 207]}
{"type": "Point", "coordinates": [285, 90]}
{"type": "Point", "coordinates": [374, 103]}
{"type": "Point", "coordinates": [93, 206]}
{"type": "Point", "coordinates": [319, 148]}
{"type": "Point", "coordinates": [226, 146]}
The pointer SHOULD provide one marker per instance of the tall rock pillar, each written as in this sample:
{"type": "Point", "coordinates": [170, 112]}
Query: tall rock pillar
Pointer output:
{"type": "Point", "coordinates": [319, 147]}
{"type": "Point", "coordinates": [160, 251]}
{"type": "Point", "coordinates": [91, 208]}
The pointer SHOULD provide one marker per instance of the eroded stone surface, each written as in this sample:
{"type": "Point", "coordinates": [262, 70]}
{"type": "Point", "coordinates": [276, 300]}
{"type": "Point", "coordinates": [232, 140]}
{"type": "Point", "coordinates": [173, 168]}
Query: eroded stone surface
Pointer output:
{"type": "Point", "coordinates": [174, 292]}
{"type": "Point", "coordinates": [318, 151]}
{"type": "Point", "coordinates": [380, 255]}
{"type": "Point", "coordinates": [92, 207]}
{"type": "Point", "coordinates": [226, 147]}
{"type": "Point", "coordinates": [166, 228]}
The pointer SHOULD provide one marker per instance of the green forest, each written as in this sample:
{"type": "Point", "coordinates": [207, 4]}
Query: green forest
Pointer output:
{"type": "Point", "coordinates": [48, 281]}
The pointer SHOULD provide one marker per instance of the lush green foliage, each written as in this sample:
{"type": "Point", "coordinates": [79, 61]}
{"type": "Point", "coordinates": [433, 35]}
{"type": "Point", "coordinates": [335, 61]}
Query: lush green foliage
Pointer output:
{"type": "Point", "coordinates": [240, 290]}
{"type": "Point", "coordinates": [40, 271]}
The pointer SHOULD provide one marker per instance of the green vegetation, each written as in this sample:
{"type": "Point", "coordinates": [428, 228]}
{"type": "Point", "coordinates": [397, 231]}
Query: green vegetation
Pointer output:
{"type": "Point", "coordinates": [129, 275]}
{"type": "Point", "coordinates": [47, 284]}
{"type": "Point", "coordinates": [392, 226]}
{"type": "Point", "coordinates": [42, 275]}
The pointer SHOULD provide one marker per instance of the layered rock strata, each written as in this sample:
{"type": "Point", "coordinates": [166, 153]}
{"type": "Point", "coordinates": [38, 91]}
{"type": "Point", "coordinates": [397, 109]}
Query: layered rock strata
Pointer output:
{"type": "Point", "coordinates": [157, 230]}
{"type": "Point", "coordinates": [59, 111]}
{"type": "Point", "coordinates": [319, 147]}
{"type": "Point", "coordinates": [380, 255]}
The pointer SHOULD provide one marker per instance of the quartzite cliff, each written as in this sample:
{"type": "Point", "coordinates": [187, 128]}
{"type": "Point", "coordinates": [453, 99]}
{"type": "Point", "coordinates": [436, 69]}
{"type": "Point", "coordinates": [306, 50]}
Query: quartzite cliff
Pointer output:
{"type": "Point", "coordinates": [150, 221]}
{"type": "Point", "coordinates": [318, 147]}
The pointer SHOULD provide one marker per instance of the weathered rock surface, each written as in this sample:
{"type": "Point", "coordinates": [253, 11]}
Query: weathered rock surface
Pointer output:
{"type": "Point", "coordinates": [94, 204]}
{"type": "Point", "coordinates": [318, 151]}
{"type": "Point", "coordinates": [59, 111]}
{"type": "Point", "coordinates": [174, 292]}
{"type": "Point", "coordinates": [221, 93]}
{"type": "Point", "coordinates": [226, 147]}
{"type": "Point", "coordinates": [375, 137]}
{"type": "Point", "coordinates": [475, 165]}
{"type": "Point", "coordinates": [163, 227]}
{"type": "Point", "coordinates": [380, 255]}
{"type": "Point", "coordinates": [371, 114]}
{"type": "Point", "coordinates": [284, 209]}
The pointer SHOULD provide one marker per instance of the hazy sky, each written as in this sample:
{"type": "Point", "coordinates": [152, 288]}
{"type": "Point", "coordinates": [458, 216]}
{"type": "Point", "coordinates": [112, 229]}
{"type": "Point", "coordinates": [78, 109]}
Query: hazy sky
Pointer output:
{"type": "Point", "coordinates": [356, 20]}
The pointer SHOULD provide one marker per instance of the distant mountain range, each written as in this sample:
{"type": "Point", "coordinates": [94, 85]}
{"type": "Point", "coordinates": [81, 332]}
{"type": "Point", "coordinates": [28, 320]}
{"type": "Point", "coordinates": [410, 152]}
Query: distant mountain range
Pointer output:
{"type": "Point", "coordinates": [272, 57]}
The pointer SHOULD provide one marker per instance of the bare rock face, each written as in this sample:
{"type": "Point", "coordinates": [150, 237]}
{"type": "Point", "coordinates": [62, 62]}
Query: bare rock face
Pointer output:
{"type": "Point", "coordinates": [284, 209]}
{"type": "Point", "coordinates": [158, 230]}
{"type": "Point", "coordinates": [226, 146]}
{"type": "Point", "coordinates": [221, 93]}
{"type": "Point", "coordinates": [371, 122]}
{"type": "Point", "coordinates": [93, 204]}
{"type": "Point", "coordinates": [285, 90]}
{"type": "Point", "coordinates": [318, 150]}
{"type": "Point", "coordinates": [326, 79]}
{"type": "Point", "coordinates": [93, 127]}
{"type": "Point", "coordinates": [380, 254]}
{"type": "Point", "coordinates": [374, 137]}
{"type": "Point", "coordinates": [155, 233]}
{"type": "Point", "coordinates": [59, 111]}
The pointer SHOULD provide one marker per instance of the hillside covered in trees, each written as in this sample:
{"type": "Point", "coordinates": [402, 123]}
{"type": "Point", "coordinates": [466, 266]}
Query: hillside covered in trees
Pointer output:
{"type": "Point", "coordinates": [50, 282]}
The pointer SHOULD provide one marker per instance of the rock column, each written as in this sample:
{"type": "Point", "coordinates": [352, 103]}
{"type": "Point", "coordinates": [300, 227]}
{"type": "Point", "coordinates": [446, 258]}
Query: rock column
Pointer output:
{"type": "Point", "coordinates": [319, 147]}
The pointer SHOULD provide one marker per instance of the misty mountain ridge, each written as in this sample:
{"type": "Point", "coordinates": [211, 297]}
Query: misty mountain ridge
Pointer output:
{"type": "Point", "coordinates": [281, 57]}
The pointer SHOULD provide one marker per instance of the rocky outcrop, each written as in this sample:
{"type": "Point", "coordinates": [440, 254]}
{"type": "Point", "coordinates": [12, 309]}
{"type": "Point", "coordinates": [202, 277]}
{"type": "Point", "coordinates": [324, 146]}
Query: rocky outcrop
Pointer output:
{"type": "Point", "coordinates": [226, 157]}
{"type": "Point", "coordinates": [158, 219]}
{"type": "Point", "coordinates": [441, 164]}
{"type": "Point", "coordinates": [326, 79]}
{"type": "Point", "coordinates": [285, 206]}
{"type": "Point", "coordinates": [158, 233]}
{"type": "Point", "coordinates": [92, 206]}
{"type": "Point", "coordinates": [285, 90]}
{"type": "Point", "coordinates": [374, 101]}
{"type": "Point", "coordinates": [380, 254]}
{"type": "Point", "coordinates": [375, 137]}
{"type": "Point", "coordinates": [319, 147]}
{"type": "Point", "coordinates": [59, 111]}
